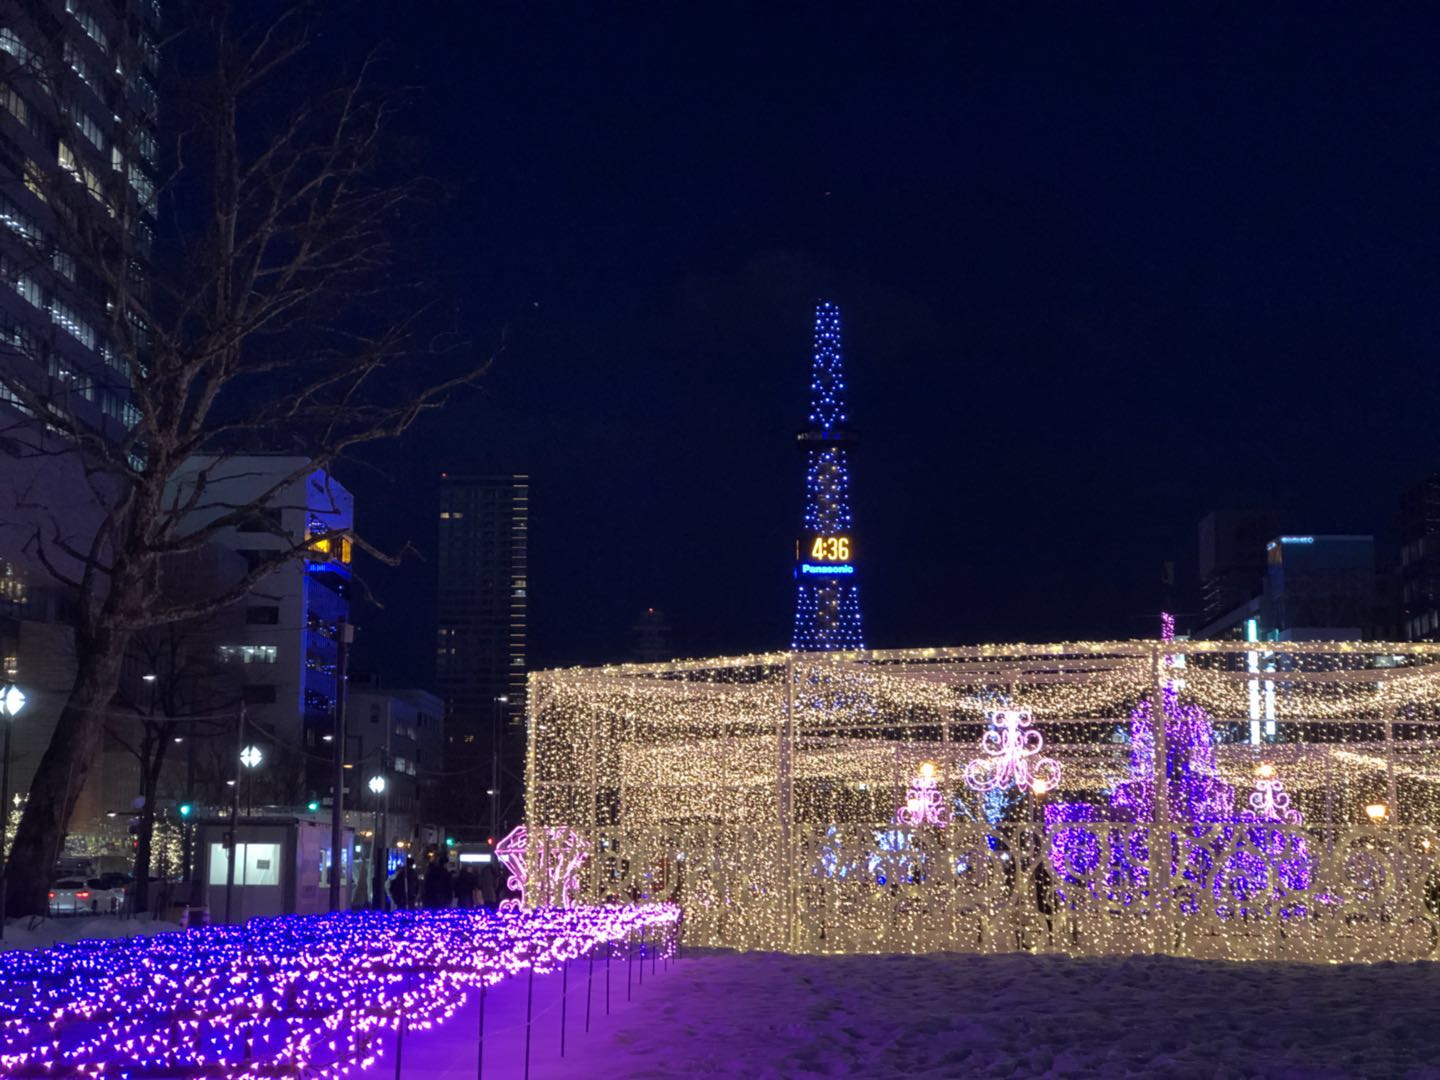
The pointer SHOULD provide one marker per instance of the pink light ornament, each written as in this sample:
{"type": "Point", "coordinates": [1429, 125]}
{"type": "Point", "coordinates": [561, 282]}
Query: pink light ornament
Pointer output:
{"type": "Point", "coordinates": [1011, 751]}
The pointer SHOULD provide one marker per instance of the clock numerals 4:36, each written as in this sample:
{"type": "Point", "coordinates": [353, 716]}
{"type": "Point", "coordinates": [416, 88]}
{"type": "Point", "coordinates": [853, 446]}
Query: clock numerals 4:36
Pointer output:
{"type": "Point", "coordinates": [830, 549]}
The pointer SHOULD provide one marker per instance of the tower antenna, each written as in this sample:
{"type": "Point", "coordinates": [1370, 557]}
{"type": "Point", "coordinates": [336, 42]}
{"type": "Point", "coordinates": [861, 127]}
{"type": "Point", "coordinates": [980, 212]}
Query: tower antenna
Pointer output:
{"type": "Point", "coordinates": [827, 598]}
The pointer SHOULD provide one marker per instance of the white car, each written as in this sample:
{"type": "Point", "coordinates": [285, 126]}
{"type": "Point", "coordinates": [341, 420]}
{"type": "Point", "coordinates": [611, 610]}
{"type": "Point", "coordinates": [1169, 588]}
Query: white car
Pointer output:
{"type": "Point", "coordinates": [78, 896]}
{"type": "Point", "coordinates": [69, 896]}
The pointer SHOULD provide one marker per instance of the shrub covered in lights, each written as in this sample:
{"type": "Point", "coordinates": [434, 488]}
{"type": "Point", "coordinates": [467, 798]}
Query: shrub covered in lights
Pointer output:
{"type": "Point", "coordinates": [819, 801]}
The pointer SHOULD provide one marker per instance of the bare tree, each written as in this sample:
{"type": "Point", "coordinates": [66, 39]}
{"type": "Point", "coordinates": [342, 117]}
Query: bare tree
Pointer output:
{"type": "Point", "coordinates": [263, 314]}
{"type": "Point", "coordinates": [187, 695]}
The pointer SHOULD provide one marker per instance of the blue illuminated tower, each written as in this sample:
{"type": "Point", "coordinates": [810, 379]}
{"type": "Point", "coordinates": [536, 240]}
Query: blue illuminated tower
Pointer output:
{"type": "Point", "coordinates": [827, 599]}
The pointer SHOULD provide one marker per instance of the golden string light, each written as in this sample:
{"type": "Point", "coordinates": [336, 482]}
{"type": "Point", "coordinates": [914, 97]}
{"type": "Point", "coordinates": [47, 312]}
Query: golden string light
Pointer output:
{"type": "Point", "coordinates": [764, 793]}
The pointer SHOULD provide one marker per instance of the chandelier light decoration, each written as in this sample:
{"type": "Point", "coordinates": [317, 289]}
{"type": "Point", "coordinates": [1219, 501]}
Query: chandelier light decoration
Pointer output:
{"type": "Point", "coordinates": [1011, 750]}
{"type": "Point", "coordinates": [1270, 801]}
{"type": "Point", "coordinates": [924, 801]}
{"type": "Point", "coordinates": [314, 996]}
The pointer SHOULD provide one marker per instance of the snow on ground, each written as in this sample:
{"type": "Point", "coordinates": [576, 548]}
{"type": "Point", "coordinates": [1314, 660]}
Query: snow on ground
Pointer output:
{"type": "Point", "coordinates": [42, 933]}
{"type": "Point", "coordinates": [952, 1015]}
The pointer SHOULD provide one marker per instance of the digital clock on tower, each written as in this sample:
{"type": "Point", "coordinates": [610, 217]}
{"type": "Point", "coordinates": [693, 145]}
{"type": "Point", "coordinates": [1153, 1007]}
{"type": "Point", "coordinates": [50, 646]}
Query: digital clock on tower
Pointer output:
{"type": "Point", "coordinates": [826, 549]}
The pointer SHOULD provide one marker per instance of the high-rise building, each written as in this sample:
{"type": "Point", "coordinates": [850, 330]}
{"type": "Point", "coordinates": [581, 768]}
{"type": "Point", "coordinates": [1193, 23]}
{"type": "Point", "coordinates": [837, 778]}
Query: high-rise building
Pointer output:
{"type": "Point", "coordinates": [1232, 559]}
{"type": "Point", "coordinates": [77, 97]}
{"type": "Point", "coordinates": [827, 599]}
{"type": "Point", "coordinates": [78, 155]}
{"type": "Point", "coordinates": [1320, 588]}
{"type": "Point", "coordinates": [1420, 561]}
{"type": "Point", "coordinates": [480, 654]}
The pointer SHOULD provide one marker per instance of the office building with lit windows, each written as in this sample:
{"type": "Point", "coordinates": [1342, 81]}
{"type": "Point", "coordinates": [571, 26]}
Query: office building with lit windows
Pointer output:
{"type": "Point", "coordinates": [77, 100]}
{"type": "Point", "coordinates": [284, 635]}
{"type": "Point", "coordinates": [480, 653]}
{"type": "Point", "coordinates": [78, 114]}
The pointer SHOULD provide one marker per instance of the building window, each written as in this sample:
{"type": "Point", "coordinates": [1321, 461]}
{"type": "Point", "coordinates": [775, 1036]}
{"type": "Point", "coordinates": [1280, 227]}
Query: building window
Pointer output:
{"type": "Point", "coordinates": [89, 25]}
{"type": "Point", "coordinates": [256, 864]}
{"type": "Point", "coordinates": [263, 615]}
{"type": "Point", "coordinates": [249, 654]}
{"type": "Point", "coordinates": [10, 42]}
{"type": "Point", "coordinates": [258, 694]}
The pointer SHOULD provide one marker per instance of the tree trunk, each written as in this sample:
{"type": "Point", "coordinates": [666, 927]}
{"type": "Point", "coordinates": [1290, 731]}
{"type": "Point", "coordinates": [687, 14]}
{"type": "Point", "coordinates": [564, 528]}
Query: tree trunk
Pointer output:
{"type": "Point", "coordinates": [73, 749]}
{"type": "Point", "coordinates": [150, 768]}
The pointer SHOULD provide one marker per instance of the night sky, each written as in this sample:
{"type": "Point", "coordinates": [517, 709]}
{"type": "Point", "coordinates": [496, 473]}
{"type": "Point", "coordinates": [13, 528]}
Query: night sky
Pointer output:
{"type": "Point", "coordinates": [1098, 273]}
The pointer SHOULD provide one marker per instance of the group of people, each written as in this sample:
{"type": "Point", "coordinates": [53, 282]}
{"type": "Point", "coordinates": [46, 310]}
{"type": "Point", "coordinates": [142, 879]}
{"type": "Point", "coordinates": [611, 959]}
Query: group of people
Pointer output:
{"type": "Point", "coordinates": [441, 886]}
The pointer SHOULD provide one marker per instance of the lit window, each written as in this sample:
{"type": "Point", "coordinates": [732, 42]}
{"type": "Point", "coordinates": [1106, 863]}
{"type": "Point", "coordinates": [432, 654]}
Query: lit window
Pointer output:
{"type": "Point", "coordinates": [86, 125]}
{"type": "Point", "coordinates": [10, 42]}
{"type": "Point", "coordinates": [88, 24]}
{"type": "Point", "coordinates": [14, 104]}
{"type": "Point", "coordinates": [16, 221]}
{"type": "Point", "coordinates": [248, 654]}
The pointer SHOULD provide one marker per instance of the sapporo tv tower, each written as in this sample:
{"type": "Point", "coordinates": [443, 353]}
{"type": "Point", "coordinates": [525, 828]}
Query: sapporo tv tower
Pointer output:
{"type": "Point", "coordinates": [827, 598]}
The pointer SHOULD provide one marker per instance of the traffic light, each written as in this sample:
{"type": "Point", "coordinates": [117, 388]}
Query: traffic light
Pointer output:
{"type": "Point", "coordinates": [186, 809]}
{"type": "Point", "coordinates": [449, 841]}
{"type": "Point", "coordinates": [313, 805]}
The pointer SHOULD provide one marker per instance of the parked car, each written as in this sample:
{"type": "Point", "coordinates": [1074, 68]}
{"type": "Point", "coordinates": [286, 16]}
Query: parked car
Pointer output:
{"type": "Point", "coordinates": [69, 896]}
{"type": "Point", "coordinates": [92, 896]}
{"type": "Point", "coordinates": [107, 896]}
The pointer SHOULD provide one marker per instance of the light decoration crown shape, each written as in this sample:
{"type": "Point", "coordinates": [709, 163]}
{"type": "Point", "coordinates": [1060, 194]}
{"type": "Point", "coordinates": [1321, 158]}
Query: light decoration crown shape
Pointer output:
{"type": "Point", "coordinates": [1271, 802]}
{"type": "Point", "coordinates": [924, 801]}
{"type": "Point", "coordinates": [1011, 753]}
{"type": "Point", "coordinates": [558, 852]}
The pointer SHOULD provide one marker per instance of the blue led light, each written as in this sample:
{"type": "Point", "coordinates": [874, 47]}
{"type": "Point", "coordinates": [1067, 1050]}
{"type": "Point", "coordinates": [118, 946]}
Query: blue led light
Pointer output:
{"type": "Point", "coordinates": [827, 611]}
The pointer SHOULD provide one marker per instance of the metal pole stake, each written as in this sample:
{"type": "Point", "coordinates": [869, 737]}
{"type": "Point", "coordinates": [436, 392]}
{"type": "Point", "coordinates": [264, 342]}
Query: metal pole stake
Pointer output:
{"type": "Point", "coordinates": [529, 1008]}
{"type": "Point", "coordinates": [480, 1049]}
{"type": "Point", "coordinates": [564, 1000]}
{"type": "Point", "coordinates": [589, 986]}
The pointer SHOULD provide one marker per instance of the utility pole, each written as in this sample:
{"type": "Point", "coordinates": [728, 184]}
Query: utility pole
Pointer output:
{"type": "Point", "coordinates": [188, 836]}
{"type": "Point", "coordinates": [496, 707]}
{"type": "Point", "coordinates": [234, 821]}
{"type": "Point", "coordinates": [344, 633]}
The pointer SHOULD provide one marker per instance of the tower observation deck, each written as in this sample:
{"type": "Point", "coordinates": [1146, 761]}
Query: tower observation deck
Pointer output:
{"type": "Point", "coordinates": [827, 598]}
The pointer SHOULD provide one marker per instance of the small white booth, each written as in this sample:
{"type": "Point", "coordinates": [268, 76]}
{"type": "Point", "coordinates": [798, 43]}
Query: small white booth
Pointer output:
{"type": "Point", "coordinates": [282, 867]}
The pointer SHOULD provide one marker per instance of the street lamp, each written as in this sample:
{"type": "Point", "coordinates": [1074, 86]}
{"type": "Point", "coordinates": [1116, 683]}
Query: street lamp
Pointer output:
{"type": "Point", "coordinates": [12, 700]}
{"type": "Point", "coordinates": [377, 848]}
{"type": "Point", "coordinates": [496, 712]}
{"type": "Point", "coordinates": [251, 757]}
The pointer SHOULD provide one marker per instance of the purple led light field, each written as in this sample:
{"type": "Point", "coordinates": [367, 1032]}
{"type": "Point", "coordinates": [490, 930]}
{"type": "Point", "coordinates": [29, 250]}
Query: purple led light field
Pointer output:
{"type": "Point", "coordinates": [292, 996]}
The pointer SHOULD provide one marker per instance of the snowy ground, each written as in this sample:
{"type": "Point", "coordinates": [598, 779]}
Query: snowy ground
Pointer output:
{"type": "Point", "coordinates": [42, 933]}
{"type": "Point", "coordinates": [948, 1015]}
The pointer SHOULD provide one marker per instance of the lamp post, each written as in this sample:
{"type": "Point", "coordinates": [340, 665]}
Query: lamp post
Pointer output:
{"type": "Point", "coordinates": [494, 792]}
{"type": "Point", "coordinates": [12, 700]}
{"type": "Point", "coordinates": [377, 847]}
{"type": "Point", "coordinates": [251, 757]}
